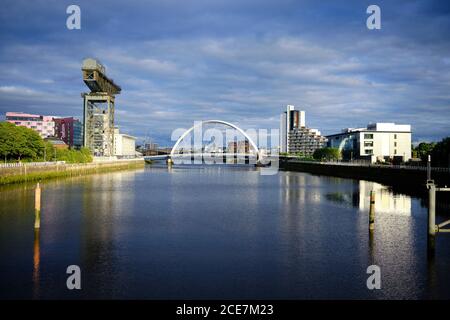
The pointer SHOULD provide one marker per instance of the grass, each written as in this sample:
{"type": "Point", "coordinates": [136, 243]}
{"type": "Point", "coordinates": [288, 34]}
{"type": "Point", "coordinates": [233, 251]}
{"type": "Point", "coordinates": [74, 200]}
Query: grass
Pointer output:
{"type": "Point", "coordinates": [52, 173]}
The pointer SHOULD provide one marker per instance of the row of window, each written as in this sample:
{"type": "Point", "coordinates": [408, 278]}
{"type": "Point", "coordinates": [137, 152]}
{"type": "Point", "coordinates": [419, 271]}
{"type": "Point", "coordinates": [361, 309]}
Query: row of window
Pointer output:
{"type": "Point", "coordinates": [370, 136]}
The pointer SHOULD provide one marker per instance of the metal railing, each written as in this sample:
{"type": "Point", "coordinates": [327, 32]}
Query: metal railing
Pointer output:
{"type": "Point", "coordinates": [372, 165]}
{"type": "Point", "coordinates": [30, 164]}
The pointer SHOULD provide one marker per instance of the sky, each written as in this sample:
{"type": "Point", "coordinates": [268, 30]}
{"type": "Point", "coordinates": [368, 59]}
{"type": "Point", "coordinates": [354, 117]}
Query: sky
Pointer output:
{"type": "Point", "coordinates": [238, 61]}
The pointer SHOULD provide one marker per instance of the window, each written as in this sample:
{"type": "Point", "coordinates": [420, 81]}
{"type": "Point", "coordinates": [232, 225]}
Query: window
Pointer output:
{"type": "Point", "coordinates": [395, 136]}
{"type": "Point", "coordinates": [395, 143]}
{"type": "Point", "coordinates": [368, 136]}
{"type": "Point", "coordinates": [368, 151]}
{"type": "Point", "coordinates": [395, 151]}
{"type": "Point", "coordinates": [368, 143]}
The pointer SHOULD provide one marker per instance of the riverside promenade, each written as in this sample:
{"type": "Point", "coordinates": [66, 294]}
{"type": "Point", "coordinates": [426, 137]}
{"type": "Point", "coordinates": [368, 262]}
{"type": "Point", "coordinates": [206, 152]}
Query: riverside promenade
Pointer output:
{"type": "Point", "coordinates": [35, 171]}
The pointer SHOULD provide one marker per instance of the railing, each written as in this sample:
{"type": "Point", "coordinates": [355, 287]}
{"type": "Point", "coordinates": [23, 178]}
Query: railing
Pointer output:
{"type": "Point", "coordinates": [30, 164]}
{"type": "Point", "coordinates": [372, 165]}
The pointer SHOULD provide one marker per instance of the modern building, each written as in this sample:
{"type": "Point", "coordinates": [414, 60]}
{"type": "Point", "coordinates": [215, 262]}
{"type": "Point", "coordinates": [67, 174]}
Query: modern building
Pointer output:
{"type": "Point", "coordinates": [295, 137]}
{"type": "Point", "coordinates": [44, 125]}
{"type": "Point", "coordinates": [377, 142]}
{"type": "Point", "coordinates": [124, 144]}
{"type": "Point", "coordinates": [69, 130]}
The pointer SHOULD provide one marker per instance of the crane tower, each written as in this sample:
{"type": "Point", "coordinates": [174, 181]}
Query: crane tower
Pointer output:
{"type": "Point", "coordinates": [98, 108]}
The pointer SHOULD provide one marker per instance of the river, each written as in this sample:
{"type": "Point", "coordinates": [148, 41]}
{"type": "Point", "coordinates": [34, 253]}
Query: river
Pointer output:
{"type": "Point", "coordinates": [216, 231]}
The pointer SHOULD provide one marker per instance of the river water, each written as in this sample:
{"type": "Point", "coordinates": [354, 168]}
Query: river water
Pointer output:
{"type": "Point", "coordinates": [222, 231]}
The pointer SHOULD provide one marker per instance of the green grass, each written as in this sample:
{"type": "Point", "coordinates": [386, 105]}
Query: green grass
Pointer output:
{"type": "Point", "coordinates": [51, 174]}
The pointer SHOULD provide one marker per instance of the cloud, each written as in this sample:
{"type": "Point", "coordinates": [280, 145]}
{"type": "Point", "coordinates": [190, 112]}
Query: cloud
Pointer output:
{"type": "Point", "coordinates": [240, 62]}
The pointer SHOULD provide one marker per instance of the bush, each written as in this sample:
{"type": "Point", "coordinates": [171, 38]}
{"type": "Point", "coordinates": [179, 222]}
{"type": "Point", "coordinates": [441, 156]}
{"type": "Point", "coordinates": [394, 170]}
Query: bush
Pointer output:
{"type": "Point", "coordinates": [74, 156]}
{"type": "Point", "coordinates": [327, 154]}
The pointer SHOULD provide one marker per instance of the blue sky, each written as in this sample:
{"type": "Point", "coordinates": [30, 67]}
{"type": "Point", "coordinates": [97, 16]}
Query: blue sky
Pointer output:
{"type": "Point", "coordinates": [238, 61]}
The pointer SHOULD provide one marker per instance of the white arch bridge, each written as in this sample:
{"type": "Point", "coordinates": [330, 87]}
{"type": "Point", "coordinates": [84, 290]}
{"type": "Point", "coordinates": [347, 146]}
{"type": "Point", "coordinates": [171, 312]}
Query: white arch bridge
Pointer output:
{"type": "Point", "coordinates": [173, 153]}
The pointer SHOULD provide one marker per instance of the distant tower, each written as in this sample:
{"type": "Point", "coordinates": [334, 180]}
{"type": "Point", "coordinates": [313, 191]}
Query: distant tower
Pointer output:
{"type": "Point", "coordinates": [98, 109]}
{"type": "Point", "coordinates": [289, 120]}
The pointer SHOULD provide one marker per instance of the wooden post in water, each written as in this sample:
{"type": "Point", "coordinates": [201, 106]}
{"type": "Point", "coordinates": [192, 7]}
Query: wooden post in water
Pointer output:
{"type": "Point", "coordinates": [37, 207]}
{"type": "Point", "coordinates": [372, 211]}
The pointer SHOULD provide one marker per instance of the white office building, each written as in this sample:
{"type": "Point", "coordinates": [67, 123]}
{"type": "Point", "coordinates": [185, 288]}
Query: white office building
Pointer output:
{"type": "Point", "coordinates": [377, 142]}
{"type": "Point", "coordinates": [124, 144]}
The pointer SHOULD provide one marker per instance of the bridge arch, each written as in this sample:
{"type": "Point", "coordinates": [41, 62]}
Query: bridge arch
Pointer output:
{"type": "Point", "coordinates": [253, 144]}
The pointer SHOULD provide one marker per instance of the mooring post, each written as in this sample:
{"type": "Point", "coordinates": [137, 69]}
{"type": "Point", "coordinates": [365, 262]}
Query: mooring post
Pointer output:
{"type": "Point", "coordinates": [37, 207]}
{"type": "Point", "coordinates": [432, 209]}
{"type": "Point", "coordinates": [429, 168]}
{"type": "Point", "coordinates": [431, 219]}
{"type": "Point", "coordinates": [372, 211]}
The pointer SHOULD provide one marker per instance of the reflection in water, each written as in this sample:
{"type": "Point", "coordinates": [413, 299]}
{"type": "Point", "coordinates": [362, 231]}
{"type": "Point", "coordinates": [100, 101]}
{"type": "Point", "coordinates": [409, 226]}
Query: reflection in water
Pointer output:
{"type": "Point", "coordinates": [104, 208]}
{"type": "Point", "coordinates": [36, 263]}
{"type": "Point", "coordinates": [385, 200]}
{"type": "Point", "coordinates": [217, 232]}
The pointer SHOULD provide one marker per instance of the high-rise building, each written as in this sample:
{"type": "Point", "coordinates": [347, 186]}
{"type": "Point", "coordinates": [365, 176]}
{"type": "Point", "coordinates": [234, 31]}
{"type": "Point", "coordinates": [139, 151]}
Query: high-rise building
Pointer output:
{"type": "Point", "coordinates": [70, 131]}
{"type": "Point", "coordinates": [377, 142]}
{"type": "Point", "coordinates": [44, 125]}
{"type": "Point", "coordinates": [295, 137]}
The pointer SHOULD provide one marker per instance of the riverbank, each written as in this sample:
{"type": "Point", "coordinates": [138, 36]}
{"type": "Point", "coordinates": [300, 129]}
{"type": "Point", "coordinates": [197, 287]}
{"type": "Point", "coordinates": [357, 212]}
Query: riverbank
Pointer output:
{"type": "Point", "coordinates": [401, 178]}
{"type": "Point", "coordinates": [32, 172]}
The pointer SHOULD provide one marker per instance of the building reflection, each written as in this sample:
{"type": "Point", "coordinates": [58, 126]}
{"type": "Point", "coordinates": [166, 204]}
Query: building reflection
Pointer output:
{"type": "Point", "coordinates": [385, 200]}
{"type": "Point", "coordinates": [106, 201]}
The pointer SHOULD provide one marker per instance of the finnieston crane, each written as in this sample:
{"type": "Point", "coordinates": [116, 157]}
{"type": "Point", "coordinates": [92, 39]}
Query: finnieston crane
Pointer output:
{"type": "Point", "coordinates": [98, 108]}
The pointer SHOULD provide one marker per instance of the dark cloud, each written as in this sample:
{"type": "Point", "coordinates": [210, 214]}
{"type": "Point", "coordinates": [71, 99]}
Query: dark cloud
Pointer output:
{"type": "Point", "coordinates": [239, 61]}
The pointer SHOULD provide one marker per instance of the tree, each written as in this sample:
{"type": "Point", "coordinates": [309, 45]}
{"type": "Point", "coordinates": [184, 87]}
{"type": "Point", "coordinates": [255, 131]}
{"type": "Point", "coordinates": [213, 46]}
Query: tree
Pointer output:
{"type": "Point", "coordinates": [440, 155]}
{"type": "Point", "coordinates": [423, 149]}
{"type": "Point", "coordinates": [327, 154]}
{"type": "Point", "coordinates": [19, 142]}
{"type": "Point", "coordinates": [6, 140]}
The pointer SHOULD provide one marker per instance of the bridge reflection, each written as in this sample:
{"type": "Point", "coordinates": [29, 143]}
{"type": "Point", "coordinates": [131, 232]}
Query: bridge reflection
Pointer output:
{"type": "Point", "coordinates": [207, 158]}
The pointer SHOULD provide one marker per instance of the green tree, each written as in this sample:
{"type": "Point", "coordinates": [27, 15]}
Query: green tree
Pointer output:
{"type": "Point", "coordinates": [440, 155]}
{"type": "Point", "coordinates": [327, 154]}
{"type": "Point", "coordinates": [19, 143]}
{"type": "Point", "coordinates": [423, 149]}
{"type": "Point", "coordinates": [6, 140]}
